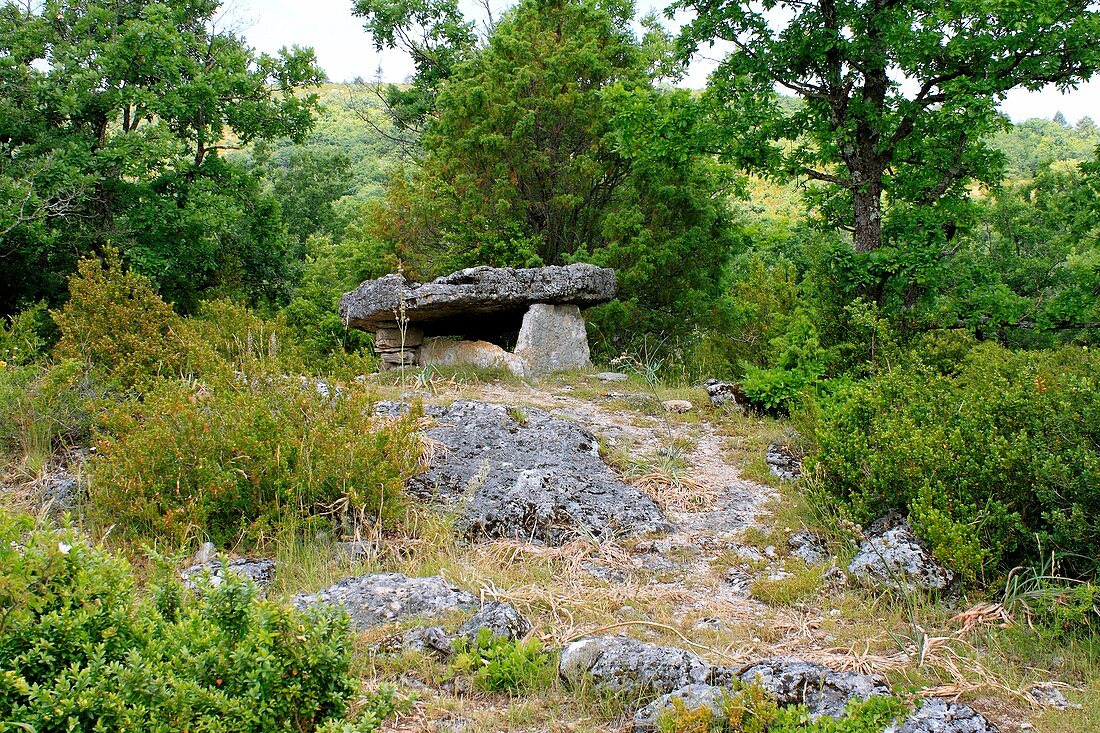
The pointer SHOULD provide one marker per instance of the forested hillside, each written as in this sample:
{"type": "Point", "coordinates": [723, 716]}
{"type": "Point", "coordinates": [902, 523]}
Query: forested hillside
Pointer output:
{"type": "Point", "coordinates": [889, 292]}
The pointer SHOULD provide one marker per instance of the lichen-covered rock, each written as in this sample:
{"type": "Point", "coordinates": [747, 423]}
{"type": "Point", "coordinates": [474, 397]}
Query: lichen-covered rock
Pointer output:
{"type": "Point", "coordinates": [725, 394]}
{"type": "Point", "coordinates": [822, 690]}
{"type": "Point", "coordinates": [383, 597]}
{"type": "Point", "coordinates": [553, 338]}
{"type": "Point", "coordinates": [479, 354]}
{"type": "Point", "coordinates": [896, 558]}
{"type": "Point", "coordinates": [622, 664]}
{"type": "Point", "coordinates": [260, 571]}
{"type": "Point", "coordinates": [474, 301]}
{"type": "Point", "coordinates": [940, 716]}
{"type": "Point", "coordinates": [427, 639]}
{"type": "Point", "coordinates": [691, 697]}
{"type": "Point", "coordinates": [809, 547]}
{"type": "Point", "coordinates": [501, 619]}
{"type": "Point", "coordinates": [525, 474]}
{"type": "Point", "coordinates": [782, 463]}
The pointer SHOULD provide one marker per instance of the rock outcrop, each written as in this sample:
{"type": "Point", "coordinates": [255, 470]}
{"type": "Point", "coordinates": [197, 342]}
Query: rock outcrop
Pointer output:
{"type": "Point", "coordinates": [940, 716]}
{"type": "Point", "coordinates": [823, 691]}
{"type": "Point", "coordinates": [384, 597]}
{"type": "Point", "coordinates": [892, 555]}
{"type": "Point", "coordinates": [620, 664]}
{"type": "Point", "coordinates": [260, 571]}
{"type": "Point", "coordinates": [499, 619]}
{"type": "Point", "coordinates": [483, 304]}
{"type": "Point", "coordinates": [525, 474]}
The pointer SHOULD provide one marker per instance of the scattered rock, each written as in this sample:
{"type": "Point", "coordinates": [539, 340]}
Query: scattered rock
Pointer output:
{"type": "Point", "coordinates": [501, 619]}
{"type": "Point", "coordinates": [486, 299]}
{"type": "Point", "coordinates": [782, 463]}
{"type": "Point", "coordinates": [1049, 695]}
{"type": "Point", "coordinates": [260, 571]}
{"type": "Point", "coordinates": [739, 580]}
{"type": "Point", "coordinates": [823, 691]}
{"type": "Point", "coordinates": [896, 558]}
{"type": "Point", "coordinates": [622, 664]}
{"type": "Point", "coordinates": [939, 716]}
{"type": "Point", "coordinates": [680, 406]}
{"type": "Point", "coordinates": [428, 638]}
{"type": "Point", "coordinates": [604, 573]}
{"type": "Point", "coordinates": [809, 547]}
{"type": "Point", "coordinates": [692, 697]}
{"type": "Point", "coordinates": [444, 351]}
{"type": "Point", "coordinates": [611, 376]}
{"type": "Point", "coordinates": [553, 339]}
{"type": "Point", "coordinates": [528, 476]}
{"type": "Point", "coordinates": [725, 394]}
{"type": "Point", "coordinates": [58, 493]}
{"type": "Point", "coordinates": [380, 598]}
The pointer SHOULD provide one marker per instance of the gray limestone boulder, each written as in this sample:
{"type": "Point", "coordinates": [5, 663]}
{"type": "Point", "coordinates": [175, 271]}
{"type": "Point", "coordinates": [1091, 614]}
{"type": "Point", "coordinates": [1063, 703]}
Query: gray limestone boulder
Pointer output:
{"type": "Point", "coordinates": [940, 716]}
{"type": "Point", "coordinates": [822, 690]}
{"type": "Point", "coordinates": [500, 619]}
{"type": "Point", "coordinates": [553, 338]}
{"type": "Point", "coordinates": [895, 557]}
{"type": "Point", "coordinates": [427, 639]}
{"type": "Point", "coordinates": [691, 697]}
{"type": "Point", "coordinates": [525, 474]}
{"type": "Point", "coordinates": [476, 300]}
{"type": "Point", "coordinates": [384, 597]}
{"type": "Point", "coordinates": [260, 571]}
{"type": "Point", "coordinates": [623, 665]}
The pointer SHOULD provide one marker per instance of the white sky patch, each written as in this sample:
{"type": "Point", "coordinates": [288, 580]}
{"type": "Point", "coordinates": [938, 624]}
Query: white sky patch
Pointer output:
{"type": "Point", "coordinates": [346, 52]}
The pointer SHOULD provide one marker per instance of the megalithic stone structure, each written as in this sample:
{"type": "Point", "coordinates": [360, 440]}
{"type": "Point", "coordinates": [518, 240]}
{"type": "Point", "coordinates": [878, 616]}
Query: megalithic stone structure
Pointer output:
{"type": "Point", "coordinates": [465, 317]}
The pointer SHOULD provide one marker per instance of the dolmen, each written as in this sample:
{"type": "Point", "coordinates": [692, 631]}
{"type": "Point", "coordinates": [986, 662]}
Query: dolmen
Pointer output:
{"type": "Point", "coordinates": [470, 316]}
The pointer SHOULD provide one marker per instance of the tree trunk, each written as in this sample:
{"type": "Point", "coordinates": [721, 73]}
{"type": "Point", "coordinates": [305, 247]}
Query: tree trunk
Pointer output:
{"type": "Point", "coordinates": [867, 222]}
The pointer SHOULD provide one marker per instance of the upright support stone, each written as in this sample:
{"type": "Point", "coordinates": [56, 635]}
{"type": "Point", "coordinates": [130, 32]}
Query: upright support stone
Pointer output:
{"type": "Point", "coordinates": [553, 339]}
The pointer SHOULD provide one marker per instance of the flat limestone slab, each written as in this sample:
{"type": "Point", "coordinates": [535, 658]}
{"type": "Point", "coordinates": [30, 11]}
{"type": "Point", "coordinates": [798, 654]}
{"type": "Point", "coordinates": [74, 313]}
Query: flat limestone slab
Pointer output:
{"type": "Point", "coordinates": [487, 299]}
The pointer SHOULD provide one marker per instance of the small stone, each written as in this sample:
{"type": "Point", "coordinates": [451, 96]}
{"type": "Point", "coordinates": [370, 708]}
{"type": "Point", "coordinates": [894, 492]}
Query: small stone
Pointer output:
{"type": "Point", "coordinates": [501, 619]}
{"type": "Point", "coordinates": [374, 599]}
{"type": "Point", "coordinates": [939, 716]}
{"type": "Point", "coordinates": [792, 681]}
{"type": "Point", "coordinates": [725, 394]}
{"type": "Point", "coordinates": [896, 558]}
{"type": "Point", "coordinates": [611, 376]}
{"type": "Point", "coordinates": [1048, 695]}
{"type": "Point", "coordinates": [260, 571]}
{"type": "Point", "coordinates": [428, 638]}
{"type": "Point", "coordinates": [782, 463]}
{"type": "Point", "coordinates": [809, 547]}
{"type": "Point", "coordinates": [679, 406]}
{"type": "Point", "coordinates": [689, 697]}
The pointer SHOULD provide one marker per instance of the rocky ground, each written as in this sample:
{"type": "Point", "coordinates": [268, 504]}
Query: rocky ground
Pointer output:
{"type": "Point", "coordinates": [617, 524]}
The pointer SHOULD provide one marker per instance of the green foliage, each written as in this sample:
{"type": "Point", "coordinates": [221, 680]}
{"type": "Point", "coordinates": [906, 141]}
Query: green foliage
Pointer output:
{"type": "Point", "coordinates": [498, 664]}
{"type": "Point", "coordinates": [1061, 605]}
{"type": "Point", "coordinates": [113, 120]}
{"type": "Point", "coordinates": [120, 328]}
{"type": "Point", "coordinates": [80, 650]}
{"type": "Point", "coordinates": [1034, 144]}
{"type": "Point", "coordinates": [551, 144]}
{"type": "Point", "coordinates": [798, 363]}
{"type": "Point", "coordinates": [993, 459]}
{"type": "Point", "coordinates": [26, 335]}
{"type": "Point", "coordinates": [749, 709]}
{"type": "Point", "coordinates": [231, 460]}
{"type": "Point", "coordinates": [45, 409]}
{"type": "Point", "coordinates": [858, 135]}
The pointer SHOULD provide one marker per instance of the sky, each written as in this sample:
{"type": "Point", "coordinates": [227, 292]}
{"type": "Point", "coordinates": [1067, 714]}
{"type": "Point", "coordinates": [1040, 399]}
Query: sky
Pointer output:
{"type": "Point", "coordinates": [345, 52]}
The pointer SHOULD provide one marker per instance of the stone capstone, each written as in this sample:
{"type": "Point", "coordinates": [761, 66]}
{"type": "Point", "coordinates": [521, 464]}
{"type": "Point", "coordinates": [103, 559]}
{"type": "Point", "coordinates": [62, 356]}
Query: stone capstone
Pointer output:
{"type": "Point", "coordinates": [524, 474]}
{"type": "Point", "coordinates": [940, 716]}
{"type": "Point", "coordinates": [895, 557]}
{"type": "Point", "coordinates": [552, 338]}
{"type": "Point", "coordinates": [500, 619]}
{"type": "Point", "coordinates": [384, 597]}
{"type": "Point", "coordinates": [260, 571]}
{"type": "Point", "coordinates": [621, 664]}
{"type": "Point", "coordinates": [478, 294]}
{"type": "Point", "coordinates": [823, 691]}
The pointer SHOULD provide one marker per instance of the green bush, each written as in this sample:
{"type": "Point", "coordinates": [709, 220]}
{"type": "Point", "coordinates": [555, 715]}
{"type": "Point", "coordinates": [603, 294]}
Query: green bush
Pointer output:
{"type": "Point", "coordinates": [44, 409]}
{"type": "Point", "coordinates": [116, 324]}
{"type": "Point", "coordinates": [25, 336]}
{"type": "Point", "coordinates": [993, 460]}
{"type": "Point", "coordinates": [498, 664]}
{"type": "Point", "coordinates": [239, 458]}
{"type": "Point", "coordinates": [80, 650]}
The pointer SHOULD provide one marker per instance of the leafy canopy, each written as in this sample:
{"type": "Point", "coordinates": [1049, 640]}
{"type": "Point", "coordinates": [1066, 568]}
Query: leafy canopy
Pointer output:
{"type": "Point", "coordinates": [897, 96]}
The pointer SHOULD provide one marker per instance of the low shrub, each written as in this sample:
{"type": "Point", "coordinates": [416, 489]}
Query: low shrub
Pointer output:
{"type": "Point", "coordinates": [44, 409]}
{"type": "Point", "coordinates": [80, 649]}
{"type": "Point", "coordinates": [992, 461]}
{"type": "Point", "coordinates": [497, 664]}
{"type": "Point", "coordinates": [116, 324]}
{"type": "Point", "coordinates": [235, 460]}
{"type": "Point", "coordinates": [24, 337]}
